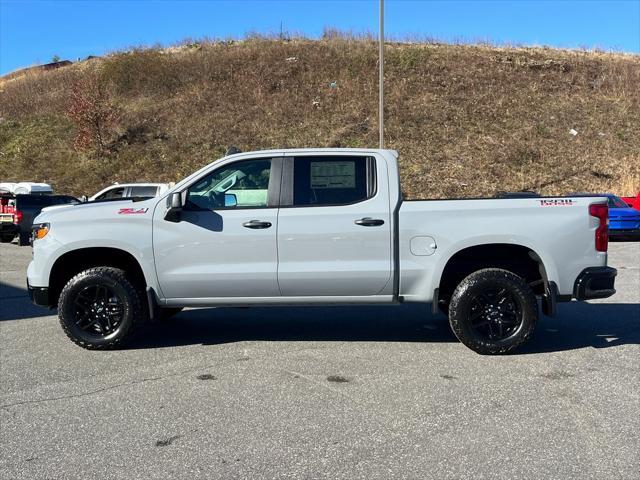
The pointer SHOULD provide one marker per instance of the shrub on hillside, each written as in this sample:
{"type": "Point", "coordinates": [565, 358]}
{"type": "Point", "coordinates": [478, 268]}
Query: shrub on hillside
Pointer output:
{"type": "Point", "coordinates": [93, 113]}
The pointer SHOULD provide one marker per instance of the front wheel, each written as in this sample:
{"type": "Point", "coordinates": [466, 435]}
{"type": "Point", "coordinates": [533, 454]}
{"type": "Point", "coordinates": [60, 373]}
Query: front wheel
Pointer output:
{"type": "Point", "coordinates": [100, 308]}
{"type": "Point", "coordinates": [493, 311]}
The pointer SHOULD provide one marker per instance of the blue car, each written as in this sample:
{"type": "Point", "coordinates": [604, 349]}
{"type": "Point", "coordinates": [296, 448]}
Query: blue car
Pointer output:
{"type": "Point", "coordinates": [624, 221]}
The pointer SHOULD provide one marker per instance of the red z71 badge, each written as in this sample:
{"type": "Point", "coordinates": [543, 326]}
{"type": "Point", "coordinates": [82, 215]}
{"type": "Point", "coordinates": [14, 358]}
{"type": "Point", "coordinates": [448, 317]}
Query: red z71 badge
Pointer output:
{"type": "Point", "coordinates": [132, 211]}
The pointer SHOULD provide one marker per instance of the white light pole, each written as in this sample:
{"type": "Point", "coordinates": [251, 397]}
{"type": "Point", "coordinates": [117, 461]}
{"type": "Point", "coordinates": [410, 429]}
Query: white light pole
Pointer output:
{"type": "Point", "coordinates": [381, 78]}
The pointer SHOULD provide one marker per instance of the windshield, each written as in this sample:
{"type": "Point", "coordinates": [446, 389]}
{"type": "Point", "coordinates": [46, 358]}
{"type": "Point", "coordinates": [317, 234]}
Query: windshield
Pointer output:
{"type": "Point", "coordinates": [616, 202]}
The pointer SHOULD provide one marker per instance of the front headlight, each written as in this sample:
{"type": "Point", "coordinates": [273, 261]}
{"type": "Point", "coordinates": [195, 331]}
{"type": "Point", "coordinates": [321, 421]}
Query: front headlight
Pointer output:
{"type": "Point", "coordinates": [39, 231]}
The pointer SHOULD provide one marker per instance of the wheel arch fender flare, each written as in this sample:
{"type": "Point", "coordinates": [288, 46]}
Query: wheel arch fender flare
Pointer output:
{"type": "Point", "coordinates": [547, 268]}
{"type": "Point", "coordinates": [73, 260]}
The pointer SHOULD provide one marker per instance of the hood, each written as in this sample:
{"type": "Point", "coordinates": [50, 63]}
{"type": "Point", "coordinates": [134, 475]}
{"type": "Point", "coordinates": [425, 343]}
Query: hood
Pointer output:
{"type": "Point", "coordinates": [91, 211]}
{"type": "Point", "coordinates": [55, 207]}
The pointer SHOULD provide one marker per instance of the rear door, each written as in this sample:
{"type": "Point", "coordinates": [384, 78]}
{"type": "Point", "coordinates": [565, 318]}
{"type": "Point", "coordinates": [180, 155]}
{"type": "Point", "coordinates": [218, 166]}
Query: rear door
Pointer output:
{"type": "Point", "coordinates": [334, 227]}
{"type": "Point", "coordinates": [225, 242]}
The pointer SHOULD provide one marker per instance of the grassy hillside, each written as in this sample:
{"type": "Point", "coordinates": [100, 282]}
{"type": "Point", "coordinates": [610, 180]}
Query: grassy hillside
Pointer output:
{"type": "Point", "coordinates": [467, 120]}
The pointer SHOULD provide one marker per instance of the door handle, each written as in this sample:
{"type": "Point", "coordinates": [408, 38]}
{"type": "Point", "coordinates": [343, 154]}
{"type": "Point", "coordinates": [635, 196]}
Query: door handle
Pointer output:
{"type": "Point", "coordinates": [369, 222]}
{"type": "Point", "coordinates": [256, 224]}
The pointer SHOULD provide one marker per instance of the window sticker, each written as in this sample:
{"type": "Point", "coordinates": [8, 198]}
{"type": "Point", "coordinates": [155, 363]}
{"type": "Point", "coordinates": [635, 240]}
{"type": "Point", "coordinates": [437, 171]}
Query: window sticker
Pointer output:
{"type": "Point", "coordinates": [333, 175]}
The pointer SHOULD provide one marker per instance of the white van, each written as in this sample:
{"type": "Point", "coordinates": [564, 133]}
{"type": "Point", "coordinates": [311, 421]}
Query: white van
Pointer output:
{"type": "Point", "coordinates": [27, 188]}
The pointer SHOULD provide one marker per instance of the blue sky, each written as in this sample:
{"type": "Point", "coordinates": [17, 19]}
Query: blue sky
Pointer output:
{"type": "Point", "coordinates": [33, 31]}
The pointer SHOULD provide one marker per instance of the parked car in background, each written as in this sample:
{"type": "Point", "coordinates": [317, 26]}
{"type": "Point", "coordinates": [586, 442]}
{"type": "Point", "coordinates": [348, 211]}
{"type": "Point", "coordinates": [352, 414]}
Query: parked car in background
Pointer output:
{"type": "Point", "coordinates": [633, 202]}
{"type": "Point", "coordinates": [8, 229]}
{"type": "Point", "coordinates": [624, 221]}
{"type": "Point", "coordinates": [18, 212]}
{"type": "Point", "coordinates": [29, 188]}
{"type": "Point", "coordinates": [131, 190]}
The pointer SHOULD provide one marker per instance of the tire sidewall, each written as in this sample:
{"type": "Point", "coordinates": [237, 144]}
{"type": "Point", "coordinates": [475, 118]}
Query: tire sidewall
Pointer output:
{"type": "Point", "coordinates": [66, 309]}
{"type": "Point", "coordinates": [478, 282]}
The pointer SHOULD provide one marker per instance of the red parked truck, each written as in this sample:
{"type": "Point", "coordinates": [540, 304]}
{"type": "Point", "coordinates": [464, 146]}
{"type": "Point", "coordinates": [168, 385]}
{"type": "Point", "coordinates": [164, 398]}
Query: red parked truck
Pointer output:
{"type": "Point", "coordinates": [633, 202]}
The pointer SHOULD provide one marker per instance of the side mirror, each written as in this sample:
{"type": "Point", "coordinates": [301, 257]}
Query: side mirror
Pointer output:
{"type": "Point", "coordinates": [174, 207]}
{"type": "Point", "coordinates": [175, 201]}
{"type": "Point", "coordinates": [230, 200]}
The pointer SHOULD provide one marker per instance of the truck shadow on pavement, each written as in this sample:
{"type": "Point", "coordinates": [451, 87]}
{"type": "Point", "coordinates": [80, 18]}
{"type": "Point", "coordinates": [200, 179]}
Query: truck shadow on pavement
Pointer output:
{"type": "Point", "coordinates": [578, 325]}
{"type": "Point", "coordinates": [15, 304]}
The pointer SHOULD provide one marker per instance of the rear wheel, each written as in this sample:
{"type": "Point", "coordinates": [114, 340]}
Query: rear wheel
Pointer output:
{"type": "Point", "coordinates": [7, 238]}
{"type": "Point", "coordinates": [100, 308]}
{"type": "Point", "coordinates": [493, 311]}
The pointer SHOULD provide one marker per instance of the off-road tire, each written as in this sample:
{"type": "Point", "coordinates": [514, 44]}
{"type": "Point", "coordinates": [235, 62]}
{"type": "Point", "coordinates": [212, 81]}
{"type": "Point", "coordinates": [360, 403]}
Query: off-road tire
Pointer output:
{"type": "Point", "coordinates": [465, 299]}
{"type": "Point", "coordinates": [134, 314]}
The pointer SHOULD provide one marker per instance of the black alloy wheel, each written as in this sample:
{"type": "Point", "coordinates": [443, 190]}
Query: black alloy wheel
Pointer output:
{"type": "Point", "coordinates": [101, 308]}
{"type": "Point", "coordinates": [495, 314]}
{"type": "Point", "coordinates": [493, 311]}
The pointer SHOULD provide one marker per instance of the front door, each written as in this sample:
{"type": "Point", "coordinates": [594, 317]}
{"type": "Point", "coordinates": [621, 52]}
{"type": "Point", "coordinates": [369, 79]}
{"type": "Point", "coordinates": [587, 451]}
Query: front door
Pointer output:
{"type": "Point", "coordinates": [334, 230]}
{"type": "Point", "coordinates": [225, 242]}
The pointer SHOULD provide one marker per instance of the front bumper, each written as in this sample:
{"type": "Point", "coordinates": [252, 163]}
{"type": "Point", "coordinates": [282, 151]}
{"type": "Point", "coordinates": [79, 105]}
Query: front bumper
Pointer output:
{"type": "Point", "coordinates": [39, 295]}
{"type": "Point", "coordinates": [595, 282]}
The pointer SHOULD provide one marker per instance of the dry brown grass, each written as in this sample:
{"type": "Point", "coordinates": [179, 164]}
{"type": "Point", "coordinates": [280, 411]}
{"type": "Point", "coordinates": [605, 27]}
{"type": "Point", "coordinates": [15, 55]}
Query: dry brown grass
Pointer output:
{"type": "Point", "coordinates": [467, 120]}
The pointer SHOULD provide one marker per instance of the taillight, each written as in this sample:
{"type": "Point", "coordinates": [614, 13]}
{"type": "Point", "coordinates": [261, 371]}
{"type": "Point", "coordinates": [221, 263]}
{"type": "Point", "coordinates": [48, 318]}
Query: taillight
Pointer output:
{"type": "Point", "coordinates": [601, 212]}
{"type": "Point", "coordinates": [17, 217]}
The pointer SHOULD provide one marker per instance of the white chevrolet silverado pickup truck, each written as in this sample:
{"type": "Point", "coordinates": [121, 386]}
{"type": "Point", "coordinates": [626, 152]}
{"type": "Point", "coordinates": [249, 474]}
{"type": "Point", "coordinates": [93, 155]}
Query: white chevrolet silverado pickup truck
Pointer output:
{"type": "Point", "coordinates": [317, 227]}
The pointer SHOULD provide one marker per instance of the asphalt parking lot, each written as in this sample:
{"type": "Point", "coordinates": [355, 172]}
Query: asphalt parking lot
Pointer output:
{"type": "Point", "coordinates": [374, 392]}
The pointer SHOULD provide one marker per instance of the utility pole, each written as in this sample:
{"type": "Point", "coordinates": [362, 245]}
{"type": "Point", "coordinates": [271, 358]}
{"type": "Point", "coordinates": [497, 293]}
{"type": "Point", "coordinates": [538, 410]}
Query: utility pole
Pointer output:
{"type": "Point", "coordinates": [381, 78]}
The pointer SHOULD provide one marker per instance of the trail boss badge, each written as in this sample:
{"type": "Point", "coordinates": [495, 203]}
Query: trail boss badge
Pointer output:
{"type": "Point", "coordinates": [556, 202]}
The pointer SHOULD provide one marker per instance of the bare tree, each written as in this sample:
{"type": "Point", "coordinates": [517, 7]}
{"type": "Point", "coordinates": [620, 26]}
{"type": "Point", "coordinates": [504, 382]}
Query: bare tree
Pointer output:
{"type": "Point", "coordinates": [93, 113]}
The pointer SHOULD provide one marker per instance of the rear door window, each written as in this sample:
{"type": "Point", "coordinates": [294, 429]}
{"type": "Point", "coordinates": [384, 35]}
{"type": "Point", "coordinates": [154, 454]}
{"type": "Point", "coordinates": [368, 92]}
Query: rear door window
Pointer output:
{"type": "Point", "coordinates": [323, 181]}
